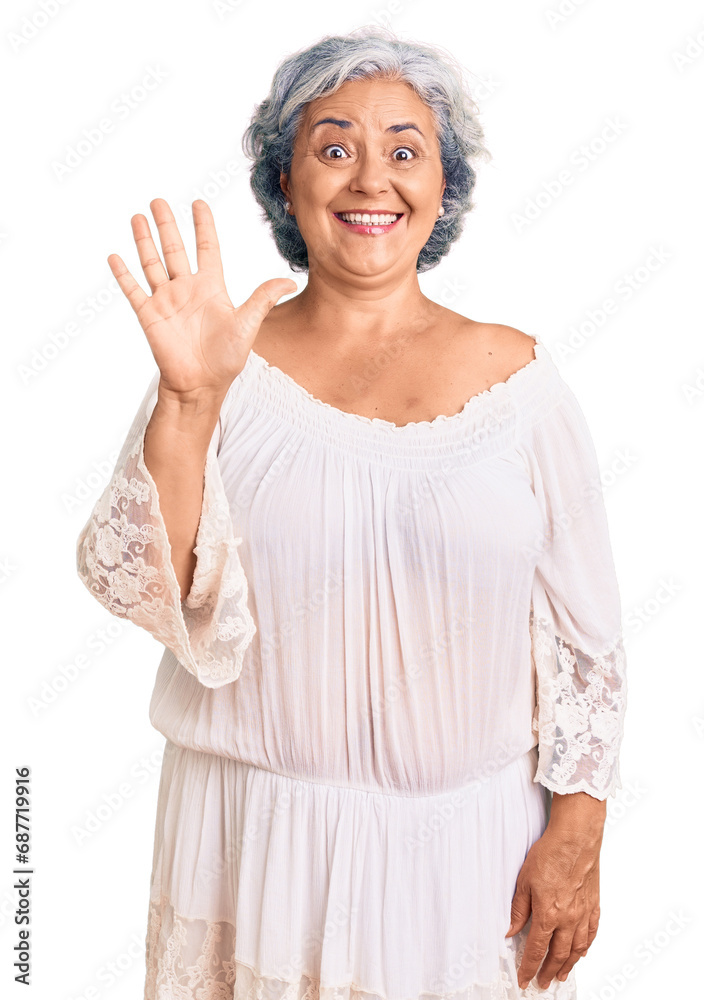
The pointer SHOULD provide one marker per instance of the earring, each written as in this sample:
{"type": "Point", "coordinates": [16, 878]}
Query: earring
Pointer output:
{"type": "Point", "coordinates": [287, 205]}
{"type": "Point", "coordinates": [441, 211]}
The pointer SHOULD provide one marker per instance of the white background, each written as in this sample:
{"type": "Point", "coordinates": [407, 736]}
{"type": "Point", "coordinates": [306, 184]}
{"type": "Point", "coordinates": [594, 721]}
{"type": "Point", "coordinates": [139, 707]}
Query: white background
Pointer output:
{"type": "Point", "coordinates": [547, 83]}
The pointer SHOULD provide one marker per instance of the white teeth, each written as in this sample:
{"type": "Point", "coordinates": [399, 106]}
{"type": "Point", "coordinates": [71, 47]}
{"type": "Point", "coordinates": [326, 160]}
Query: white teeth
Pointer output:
{"type": "Point", "coordinates": [374, 219]}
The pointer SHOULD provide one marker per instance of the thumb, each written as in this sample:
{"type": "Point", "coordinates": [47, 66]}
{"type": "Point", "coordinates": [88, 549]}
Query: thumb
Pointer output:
{"type": "Point", "coordinates": [252, 312]}
{"type": "Point", "coordinates": [520, 911]}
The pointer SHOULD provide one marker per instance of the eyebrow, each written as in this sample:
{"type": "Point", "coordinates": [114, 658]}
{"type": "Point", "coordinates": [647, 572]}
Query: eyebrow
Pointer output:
{"type": "Point", "coordinates": [343, 123]}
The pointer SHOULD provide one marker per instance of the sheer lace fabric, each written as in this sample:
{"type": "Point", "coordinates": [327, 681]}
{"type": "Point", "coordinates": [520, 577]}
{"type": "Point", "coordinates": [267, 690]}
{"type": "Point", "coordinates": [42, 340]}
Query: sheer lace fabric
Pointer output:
{"type": "Point", "coordinates": [579, 714]}
{"type": "Point", "coordinates": [196, 959]}
{"type": "Point", "coordinates": [124, 558]}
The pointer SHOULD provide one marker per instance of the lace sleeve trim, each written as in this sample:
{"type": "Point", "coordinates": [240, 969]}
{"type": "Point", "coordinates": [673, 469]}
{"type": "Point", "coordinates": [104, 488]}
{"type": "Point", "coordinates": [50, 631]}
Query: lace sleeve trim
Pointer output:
{"type": "Point", "coordinates": [580, 706]}
{"type": "Point", "coordinates": [124, 559]}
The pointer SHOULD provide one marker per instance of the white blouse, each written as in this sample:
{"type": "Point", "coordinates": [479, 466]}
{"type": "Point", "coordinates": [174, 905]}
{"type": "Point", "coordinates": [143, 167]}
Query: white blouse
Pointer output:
{"type": "Point", "coordinates": [401, 609]}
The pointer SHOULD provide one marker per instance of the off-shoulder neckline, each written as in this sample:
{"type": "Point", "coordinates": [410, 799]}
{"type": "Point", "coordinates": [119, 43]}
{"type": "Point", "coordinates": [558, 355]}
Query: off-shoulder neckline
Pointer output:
{"type": "Point", "coordinates": [540, 357]}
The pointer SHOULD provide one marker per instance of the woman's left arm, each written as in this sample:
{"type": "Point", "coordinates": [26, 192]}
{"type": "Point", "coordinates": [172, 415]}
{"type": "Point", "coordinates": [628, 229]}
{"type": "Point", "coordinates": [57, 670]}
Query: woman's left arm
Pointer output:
{"type": "Point", "coordinates": [580, 683]}
{"type": "Point", "coordinates": [559, 886]}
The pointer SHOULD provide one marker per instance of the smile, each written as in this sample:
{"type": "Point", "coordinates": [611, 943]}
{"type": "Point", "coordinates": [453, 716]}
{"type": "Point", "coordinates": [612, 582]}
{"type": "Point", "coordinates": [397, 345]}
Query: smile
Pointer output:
{"type": "Point", "coordinates": [370, 223]}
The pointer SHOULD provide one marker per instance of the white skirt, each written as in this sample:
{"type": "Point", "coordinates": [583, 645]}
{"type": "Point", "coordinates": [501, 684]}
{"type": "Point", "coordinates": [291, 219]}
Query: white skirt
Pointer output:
{"type": "Point", "coordinates": [270, 887]}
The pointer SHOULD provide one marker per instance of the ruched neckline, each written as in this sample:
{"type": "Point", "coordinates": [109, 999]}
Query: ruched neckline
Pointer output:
{"type": "Point", "coordinates": [486, 421]}
{"type": "Point", "coordinates": [539, 351]}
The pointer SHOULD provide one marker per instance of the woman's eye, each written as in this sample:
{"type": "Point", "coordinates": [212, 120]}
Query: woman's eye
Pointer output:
{"type": "Point", "coordinates": [408, 153]}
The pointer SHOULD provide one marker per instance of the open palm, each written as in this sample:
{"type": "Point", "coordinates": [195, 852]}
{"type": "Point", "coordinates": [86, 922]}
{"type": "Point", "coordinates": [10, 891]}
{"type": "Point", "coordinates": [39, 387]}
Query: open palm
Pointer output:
{"type": "Point", "coordinates": [199, 339]}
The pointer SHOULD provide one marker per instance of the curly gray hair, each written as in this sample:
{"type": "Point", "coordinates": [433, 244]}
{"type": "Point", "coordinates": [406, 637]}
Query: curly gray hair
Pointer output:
{"type": "Point", "coordinates": [323, 67]}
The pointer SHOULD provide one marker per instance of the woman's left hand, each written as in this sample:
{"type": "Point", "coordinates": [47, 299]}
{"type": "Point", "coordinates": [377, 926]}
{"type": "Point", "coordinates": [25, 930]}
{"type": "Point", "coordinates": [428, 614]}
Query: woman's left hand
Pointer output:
{"type": "Point", "coordinates": [559, 884]}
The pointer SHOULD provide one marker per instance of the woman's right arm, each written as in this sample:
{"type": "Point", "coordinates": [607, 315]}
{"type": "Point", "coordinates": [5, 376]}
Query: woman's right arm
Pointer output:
{"type": "Point", "coordinates": [175, 449]}
{"type": "Point", "coordinates": [159, 547]}
{"type": "Point", "coordinates": [125, 559]}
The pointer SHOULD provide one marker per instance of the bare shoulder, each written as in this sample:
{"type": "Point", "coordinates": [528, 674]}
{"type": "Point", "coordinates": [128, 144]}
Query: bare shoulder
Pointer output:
{"type": "Point", "coordinates": [501, 349]}
{"type": "Point", "coordinates": [513, 347]}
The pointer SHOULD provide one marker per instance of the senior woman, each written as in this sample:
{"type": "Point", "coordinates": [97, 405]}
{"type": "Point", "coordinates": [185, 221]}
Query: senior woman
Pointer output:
{"type": "Point", "coordinates": [377, 554]}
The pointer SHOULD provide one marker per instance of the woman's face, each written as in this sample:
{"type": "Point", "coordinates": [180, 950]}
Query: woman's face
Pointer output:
{"type": "Point", "coordinates": [379, 155]}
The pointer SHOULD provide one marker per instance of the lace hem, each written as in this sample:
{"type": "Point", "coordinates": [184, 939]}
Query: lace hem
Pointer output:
{"type": "Point", "coordinates": [195, 959]}
{"type": "Point", "coordinates": [579, 713]}
{"type": "Point", "coordinates": [123, 557]}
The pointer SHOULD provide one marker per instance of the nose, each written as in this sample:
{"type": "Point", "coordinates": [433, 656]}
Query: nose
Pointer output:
{"type": "Point", "coordinates": [370, 176]}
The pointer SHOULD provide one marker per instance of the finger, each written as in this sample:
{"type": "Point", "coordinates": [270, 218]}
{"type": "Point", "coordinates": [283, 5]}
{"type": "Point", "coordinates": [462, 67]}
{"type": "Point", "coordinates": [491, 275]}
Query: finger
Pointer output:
{"type": "Point", "coordinates": [252, 312]}
{"type": "Point", "coordinates": [136, 296]}
{"type": "Point", "coordinates": [148, 254]}
{"type": "Point", "coordinates": [580, 947]}
{"type": "Point", "coordinates": [537, 944]}
{"type": "Point", "coordinates": [171, 243]}
{"type": "Point", "coordinates": [594, 918]}
{"type": "Point", "coordinates": [207, 244]}
{"type": "Point", "coordinates": [558, 953]}
{"type": "Point", "coordinates": [520, 911]}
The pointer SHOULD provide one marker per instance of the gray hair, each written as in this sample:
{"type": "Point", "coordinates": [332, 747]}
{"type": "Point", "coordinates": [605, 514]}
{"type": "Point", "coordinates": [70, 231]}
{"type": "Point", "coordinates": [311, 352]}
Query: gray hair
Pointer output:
{"type": "Point", "coordinates": [323, 67]}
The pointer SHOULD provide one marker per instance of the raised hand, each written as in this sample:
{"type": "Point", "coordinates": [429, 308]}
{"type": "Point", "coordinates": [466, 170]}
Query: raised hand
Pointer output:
{"type": "Point", "coordinates": [199, 339]}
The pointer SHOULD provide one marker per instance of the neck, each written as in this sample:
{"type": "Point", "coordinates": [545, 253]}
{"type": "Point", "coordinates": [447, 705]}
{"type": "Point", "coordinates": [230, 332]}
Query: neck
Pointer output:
{"type": "Point", "coordinates": [357, 311]}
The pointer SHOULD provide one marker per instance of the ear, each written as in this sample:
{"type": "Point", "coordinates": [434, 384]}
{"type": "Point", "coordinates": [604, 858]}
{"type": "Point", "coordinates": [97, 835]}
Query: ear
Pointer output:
{"type": "Point", "coordinates": [283, 181]}
{"type": "Point", "coordinates": [444, 184]}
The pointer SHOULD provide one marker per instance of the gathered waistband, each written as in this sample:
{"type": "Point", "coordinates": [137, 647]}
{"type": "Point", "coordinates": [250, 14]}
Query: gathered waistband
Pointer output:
{"type": "Point", "coordinates": [524, 764]}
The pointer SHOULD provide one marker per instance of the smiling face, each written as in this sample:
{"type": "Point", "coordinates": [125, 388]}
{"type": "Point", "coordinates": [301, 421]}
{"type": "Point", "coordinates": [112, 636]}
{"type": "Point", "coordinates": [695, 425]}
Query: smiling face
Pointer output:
{"type": "Point", "coordinates": [369, 148]}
